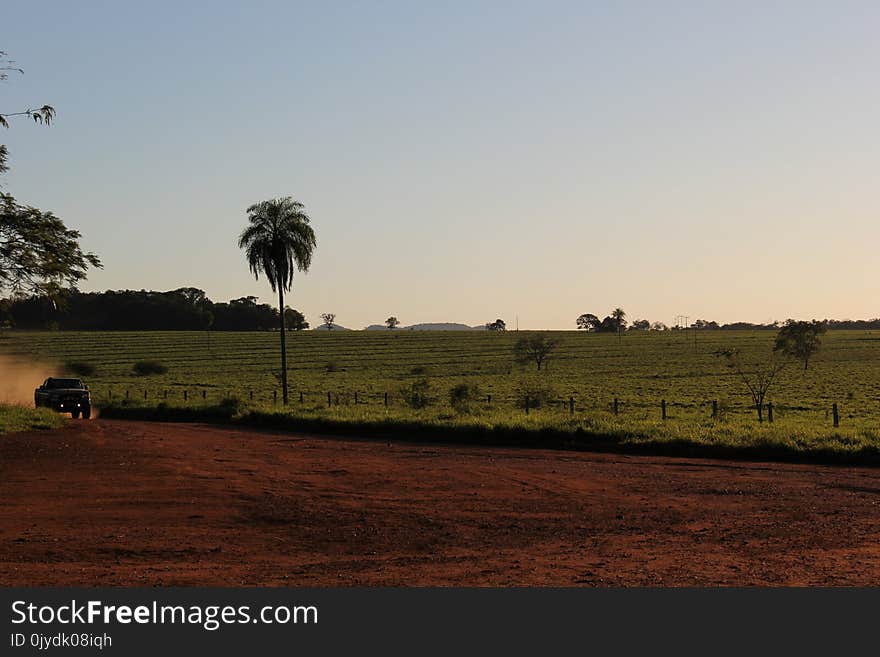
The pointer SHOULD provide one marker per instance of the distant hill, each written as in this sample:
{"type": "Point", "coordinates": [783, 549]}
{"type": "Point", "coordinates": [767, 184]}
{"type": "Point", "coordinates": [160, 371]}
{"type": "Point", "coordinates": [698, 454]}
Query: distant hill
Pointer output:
{"type": "Point", "coordinates": [438, 326]}
{"type": "Point", "coordinates": [336, 327]}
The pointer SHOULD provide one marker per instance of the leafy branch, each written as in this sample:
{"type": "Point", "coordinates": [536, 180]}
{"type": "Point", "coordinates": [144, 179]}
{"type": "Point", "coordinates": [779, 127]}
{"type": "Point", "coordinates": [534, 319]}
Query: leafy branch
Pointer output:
{"type": "Point", "coordinates": [43, 115]}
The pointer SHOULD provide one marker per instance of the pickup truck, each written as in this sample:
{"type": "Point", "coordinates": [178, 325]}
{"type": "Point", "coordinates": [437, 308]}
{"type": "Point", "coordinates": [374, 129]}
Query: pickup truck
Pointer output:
{"type": "Point", "coordinates": [65, 395]}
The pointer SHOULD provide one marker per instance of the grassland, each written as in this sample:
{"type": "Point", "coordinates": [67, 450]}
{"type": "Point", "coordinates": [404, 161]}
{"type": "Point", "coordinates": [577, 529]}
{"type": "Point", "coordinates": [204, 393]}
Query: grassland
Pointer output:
{"type": "Point", "coordinates": [639, 370]}
{"type": "Point", "coordinates": [19, 418]}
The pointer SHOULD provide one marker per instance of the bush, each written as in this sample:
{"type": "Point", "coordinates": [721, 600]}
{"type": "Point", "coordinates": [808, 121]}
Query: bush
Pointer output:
{"type": "Point", "coordinates": [416, 395]}
{"type": "Point", "coordinates": [233, 404]}
{"type": "Point", "coordinates": [80, 368]}
{"type": "Point", "coordinates": [419, 369]}
{"type": "Point", "coordinates": [148, 367]}
{"type": "Point", "coordinates": [332, 366]}
{"type": "Point", "coordinates": [463, 396]}
{"type": "Point", "coordinates": [538, 393]}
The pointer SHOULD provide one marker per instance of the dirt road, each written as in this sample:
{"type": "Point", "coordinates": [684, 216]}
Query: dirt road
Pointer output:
{"type": "Point", "coordinates": [128, 503]}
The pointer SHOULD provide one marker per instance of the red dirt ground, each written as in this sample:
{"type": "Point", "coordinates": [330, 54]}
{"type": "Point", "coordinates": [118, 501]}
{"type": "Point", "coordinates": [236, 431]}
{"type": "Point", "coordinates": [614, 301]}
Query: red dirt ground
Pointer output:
{"type": "Point", "coordinates": [130, 503]}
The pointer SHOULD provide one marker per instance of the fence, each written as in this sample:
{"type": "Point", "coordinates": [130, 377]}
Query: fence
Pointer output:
{"type": "Point", "coordinates": [571, 405]}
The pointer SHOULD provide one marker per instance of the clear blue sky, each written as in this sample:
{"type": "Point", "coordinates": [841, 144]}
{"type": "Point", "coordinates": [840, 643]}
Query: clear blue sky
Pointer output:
{"type": "Point", "coordinates": [466, 161]}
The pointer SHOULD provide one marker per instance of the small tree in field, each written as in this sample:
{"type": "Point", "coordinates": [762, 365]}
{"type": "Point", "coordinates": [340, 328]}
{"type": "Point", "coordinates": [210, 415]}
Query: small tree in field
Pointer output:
{"type": "Point", "coordinates": [497, 325]}
{"type": "Point", "coordinates": [328, 319]}
{"type": "Point", "coordinates": [392, 322]}
{"type": "Point", "coordinates": [619, 317]}
{"type": "Point", "coordinates": [535, 348]}
{"type": "Point", "coordinates": [757, 375]}
{"type": "Point", "coordinates": [800, 340]}
{"type": "Point", "coordinates": [588, 322]}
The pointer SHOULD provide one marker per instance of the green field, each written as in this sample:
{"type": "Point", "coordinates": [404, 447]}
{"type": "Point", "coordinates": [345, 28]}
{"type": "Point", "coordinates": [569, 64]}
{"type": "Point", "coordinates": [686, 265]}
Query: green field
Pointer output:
{"type": "Point", "coordinates": [639, 370]}
{"type": "Point", "coordinates": [19, 418]}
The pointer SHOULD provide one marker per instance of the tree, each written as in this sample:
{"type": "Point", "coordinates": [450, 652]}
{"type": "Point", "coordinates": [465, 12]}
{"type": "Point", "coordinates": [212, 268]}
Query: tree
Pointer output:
{"type": "Point", "coordinates": [295, 320]}
{"type": "Point", "coordinates": [278, 241]}
{"type": "Point", "coordinates": [659, 326]}
{"type": "Point", "coordinates": [619, 317]}
{"type": "Point", "coordinates": [328, 320]}
{"type": "Point", "coordinates": [758, 375]}
{"type": "Point", "coordinates": [588, 322]}
{"type": "Point", "coordinates": [607, 325]}
{"type": "Point", "coordinates": [534, 348]}
{"type": "Point", "coordinates": [39, 255]}
{"type": "Point", "coordinates": [640, 325]}
{"type": "Point", "coordinates": [44, 114]}
{"type": "Point", "coordinates": [800, 340]}
{"type": "Point", "coordinates": [392, 322]}
{"type": "Point", "coordinates": [497, 325]}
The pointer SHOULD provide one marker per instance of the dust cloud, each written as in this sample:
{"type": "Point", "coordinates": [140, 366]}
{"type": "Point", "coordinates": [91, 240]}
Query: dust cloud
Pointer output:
{"type": "Point", "coordinates": [19, 377]}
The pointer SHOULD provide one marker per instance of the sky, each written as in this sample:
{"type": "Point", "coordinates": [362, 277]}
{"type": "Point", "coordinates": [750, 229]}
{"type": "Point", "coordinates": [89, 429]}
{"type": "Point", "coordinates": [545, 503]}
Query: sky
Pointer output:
{"type": "Point", "coordinates": [466, 161]}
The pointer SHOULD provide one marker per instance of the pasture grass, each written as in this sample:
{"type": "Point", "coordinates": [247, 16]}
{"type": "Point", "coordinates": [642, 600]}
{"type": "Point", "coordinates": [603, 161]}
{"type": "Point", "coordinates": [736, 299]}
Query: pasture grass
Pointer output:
{"type": "Point", "coordinates": [19, 418]}
{"type": "Point", "coordinates": [639, 370]}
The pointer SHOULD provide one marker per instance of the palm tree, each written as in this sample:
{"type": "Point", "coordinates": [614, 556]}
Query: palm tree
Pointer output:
{"type": "Point", "coordinates": [278, 240]}
{"type": "Point", "coordinates": [619, 316]}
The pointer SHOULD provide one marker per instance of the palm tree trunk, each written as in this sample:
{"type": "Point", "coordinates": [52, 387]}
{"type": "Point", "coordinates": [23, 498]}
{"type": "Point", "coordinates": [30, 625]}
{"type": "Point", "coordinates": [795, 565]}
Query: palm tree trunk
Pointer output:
{"type": "Point", "coordinates": [283, 347]}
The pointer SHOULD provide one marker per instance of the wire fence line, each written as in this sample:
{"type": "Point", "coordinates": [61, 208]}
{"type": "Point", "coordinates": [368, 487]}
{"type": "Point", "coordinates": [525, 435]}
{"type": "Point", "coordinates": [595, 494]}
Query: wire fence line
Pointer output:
{"type": "Point", "coordinates": [660, 408]}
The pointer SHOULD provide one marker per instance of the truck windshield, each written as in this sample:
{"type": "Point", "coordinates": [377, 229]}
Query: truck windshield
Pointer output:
{"type": "Point", "coordinates": [64, 383]}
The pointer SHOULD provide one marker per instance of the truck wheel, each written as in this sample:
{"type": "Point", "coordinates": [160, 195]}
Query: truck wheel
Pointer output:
{"type": "Point", "coordinates": [87, 412]}
{"type": "Point", "coordinates": [74, 415]}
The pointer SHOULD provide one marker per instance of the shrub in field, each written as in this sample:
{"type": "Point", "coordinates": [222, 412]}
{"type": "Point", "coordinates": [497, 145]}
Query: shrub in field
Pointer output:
{"type": "Point", "coordinates": [537, 392]}
{"type": "Point", "coordinates": [416, 394]}
{"type": "Point", "coordinates": [231, 403]}
{"type": "Point", "coordinates": [419, 369]}
{"type": "Point", "coordinates": [80, 368]}
{"type": "Point", "coordinates": [332, 366]}
{"type": "Point", "coordinates": [148, 367]}
{"type": "Point", "coordinates": [463, 396]}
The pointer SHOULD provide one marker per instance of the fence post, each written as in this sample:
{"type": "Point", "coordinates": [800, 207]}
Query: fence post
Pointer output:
{"type": "Point", "coordinates": [355, 398]}
{"type": "Point", "coordinates": [185, 395]}
{"type": "Point", "coordinates": [663, 408]}
{"type": "Point", "coordinates": [204, 392]}
{"type": "Point", "coordinates": [252, 394]}
{"type": "Point", "coordinates": [329, 403]}
{"type": "Point", "coordinates": [488, 399]}
{"type": "Point", "coordinates": [386, 399]}
{"type": "Point", "coordinates": [615, 406]}
{"type": "Point", "coordinates": [145, 394]}
{"type": "Point", "coordinates": [126, 393]}
{"type": "Point", "coordinates": [571, 405]}
{"type": "Point", "coordinates": [274, 396]}
{"type": "Point", "coordinates": [835, 414]}
{"type": "Point", "coordinates": [300, 397]}
{"type": "Point", "coordinates": [770, 412]}
{"type": "Point", "coordinates": [110, 393]}
{"type": "Point", "coordinates": [527, 404]}
{"type": "Point", "coordinates": [714, 408]}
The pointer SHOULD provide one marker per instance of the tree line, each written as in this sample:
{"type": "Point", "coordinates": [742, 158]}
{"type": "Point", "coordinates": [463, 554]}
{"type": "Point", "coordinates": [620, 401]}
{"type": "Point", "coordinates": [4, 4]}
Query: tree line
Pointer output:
{"type": "Point", "coordinates": [183, 309]}
{"type": "Point", "coordinates": [616, 322]}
